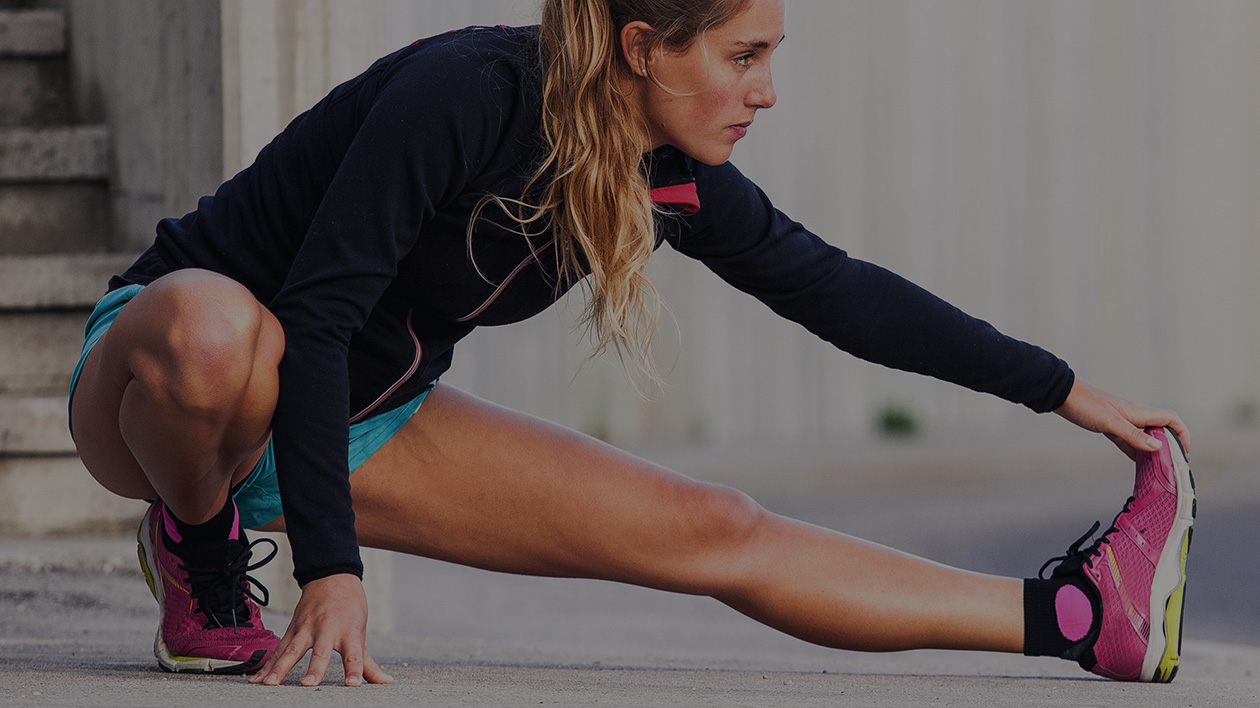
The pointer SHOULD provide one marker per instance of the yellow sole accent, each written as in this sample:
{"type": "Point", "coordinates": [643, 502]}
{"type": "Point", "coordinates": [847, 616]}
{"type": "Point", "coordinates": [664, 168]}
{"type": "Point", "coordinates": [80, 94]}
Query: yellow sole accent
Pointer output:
{"type": "Point", "coordinates": [144, 567]}
{"type": "Point", "coordinates": [1172, 623]}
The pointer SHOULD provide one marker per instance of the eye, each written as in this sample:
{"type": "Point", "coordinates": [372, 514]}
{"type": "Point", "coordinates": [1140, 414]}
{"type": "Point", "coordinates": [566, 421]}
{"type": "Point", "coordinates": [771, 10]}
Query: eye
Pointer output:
{"type": "Point", "coordinates": [745, 59]}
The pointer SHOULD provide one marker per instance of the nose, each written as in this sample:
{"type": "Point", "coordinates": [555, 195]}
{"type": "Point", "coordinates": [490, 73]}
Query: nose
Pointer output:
{"type": "Point", "coordinates": [762, 94]}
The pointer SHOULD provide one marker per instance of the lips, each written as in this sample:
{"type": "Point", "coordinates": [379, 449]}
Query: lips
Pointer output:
{"type": "Point", "coordinates": [740, 129]}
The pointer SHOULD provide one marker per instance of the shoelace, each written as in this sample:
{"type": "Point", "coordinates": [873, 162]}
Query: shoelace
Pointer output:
{"type": "Point", "coordinates": [221, 591]}
{"type": "Point", "coordinates": [1076, 557]}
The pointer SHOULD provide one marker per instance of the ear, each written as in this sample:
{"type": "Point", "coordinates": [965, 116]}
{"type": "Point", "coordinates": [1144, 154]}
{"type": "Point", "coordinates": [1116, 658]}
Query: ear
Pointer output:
{"type": "Point", "coordinates": [635, 42]}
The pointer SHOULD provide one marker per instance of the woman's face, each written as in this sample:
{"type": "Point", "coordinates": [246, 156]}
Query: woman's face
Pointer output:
{"type": "Point", "coordinates": [722, 79]}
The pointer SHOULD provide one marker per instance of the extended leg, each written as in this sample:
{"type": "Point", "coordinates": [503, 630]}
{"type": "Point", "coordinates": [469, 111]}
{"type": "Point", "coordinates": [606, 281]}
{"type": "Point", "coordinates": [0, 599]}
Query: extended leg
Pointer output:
{"type": "Point", "coordinates": [470, 482]}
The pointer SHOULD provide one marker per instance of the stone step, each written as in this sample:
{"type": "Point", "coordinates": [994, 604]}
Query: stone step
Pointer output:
{"type": "Point", "coordinates": [34, 425]}
{"type": "Point", "coordinates": [32, 33]}
{"type": "Point", "coordinates": [55, 495]}
{"type": "Point", "coordinates": [44, 304]}
{"type": "Point", "coordinates": [64, 153]}
{"type": "Point", "coordinates": [54, 196]}
{"type": "Point", "coordinates": [42, 218]}
{"type": "Point", "coordinates": [58, 281]}
{"type": "Point", "coordinates": [34, 91]}
{"type": "Point", "coordinates": [38, 350]}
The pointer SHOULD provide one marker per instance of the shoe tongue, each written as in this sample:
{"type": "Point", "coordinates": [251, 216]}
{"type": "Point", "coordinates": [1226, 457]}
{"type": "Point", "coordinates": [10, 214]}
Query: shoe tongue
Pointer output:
{"type": "Point", "coordinates": [220, 594]}
{"type": "Point", "coordinates": [214, 554]}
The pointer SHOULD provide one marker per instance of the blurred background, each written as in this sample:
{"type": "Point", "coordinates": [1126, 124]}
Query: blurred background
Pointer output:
{"type": "Point", "coordinates": [1084, 175]}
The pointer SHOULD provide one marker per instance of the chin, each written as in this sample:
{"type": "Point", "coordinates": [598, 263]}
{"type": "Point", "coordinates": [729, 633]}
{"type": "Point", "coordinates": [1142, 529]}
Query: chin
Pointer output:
{"type": "Point", "coordinates": [713, 156]}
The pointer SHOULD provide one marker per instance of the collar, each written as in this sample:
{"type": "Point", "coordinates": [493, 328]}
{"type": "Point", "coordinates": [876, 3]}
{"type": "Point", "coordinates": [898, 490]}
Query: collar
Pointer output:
{"type": "Point", "coordinates": [671, 179]}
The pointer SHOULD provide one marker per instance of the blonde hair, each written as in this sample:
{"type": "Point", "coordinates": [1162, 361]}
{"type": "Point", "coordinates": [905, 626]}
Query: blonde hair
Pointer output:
{"type": "Point", "coordinates": [594, 191]}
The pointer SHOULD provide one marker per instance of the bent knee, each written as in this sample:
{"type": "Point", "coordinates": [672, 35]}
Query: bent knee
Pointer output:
{"type": "Point", "coordinates": [202, 338]}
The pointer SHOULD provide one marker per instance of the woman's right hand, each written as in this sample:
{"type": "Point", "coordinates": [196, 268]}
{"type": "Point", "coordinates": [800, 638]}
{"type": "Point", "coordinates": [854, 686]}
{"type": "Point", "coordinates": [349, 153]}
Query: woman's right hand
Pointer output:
{"type": "Point", "coordinates": [330, 616]}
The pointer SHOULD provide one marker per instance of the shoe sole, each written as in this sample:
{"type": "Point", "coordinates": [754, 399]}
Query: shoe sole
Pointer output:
{"type": "Point", "coordinates": [168, 661]}
{"type": "Point", "coordinates": [1168, 587]}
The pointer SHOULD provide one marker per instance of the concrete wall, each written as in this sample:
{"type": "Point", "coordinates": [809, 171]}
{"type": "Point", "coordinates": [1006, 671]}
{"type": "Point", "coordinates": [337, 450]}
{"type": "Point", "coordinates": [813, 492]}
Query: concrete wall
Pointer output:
{"type": "Point", "coordinates": [1083, 175]}
{"type": "Point", "coordinates": [151, 71]}
{"type": "Point", "coordinates": [281, 56]}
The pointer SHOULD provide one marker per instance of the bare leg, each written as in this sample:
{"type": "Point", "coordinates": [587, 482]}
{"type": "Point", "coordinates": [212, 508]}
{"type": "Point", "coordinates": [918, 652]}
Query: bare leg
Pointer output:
{"type": "Point", "coordinates": [474, 483]}
{"type": "Point", "coordinates": [176, 399]}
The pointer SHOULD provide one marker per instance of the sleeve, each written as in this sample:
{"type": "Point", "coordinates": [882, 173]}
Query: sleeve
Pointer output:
{"type": "Point", "coordinates": [407, 157]}
{"type": "Point", "coordinates": [857, 306]}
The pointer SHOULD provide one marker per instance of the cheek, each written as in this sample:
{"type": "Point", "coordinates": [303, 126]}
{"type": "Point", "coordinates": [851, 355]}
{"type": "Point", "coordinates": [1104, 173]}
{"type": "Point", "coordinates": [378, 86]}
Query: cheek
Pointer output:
{"type": "Point", "coordinates": [715, 109]}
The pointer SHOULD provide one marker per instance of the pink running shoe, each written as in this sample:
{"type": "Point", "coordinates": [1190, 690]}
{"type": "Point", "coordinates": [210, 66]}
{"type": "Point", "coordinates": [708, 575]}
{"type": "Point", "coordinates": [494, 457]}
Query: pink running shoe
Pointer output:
{"type": "Point", "coordinates": [1138, 570]}
{"type": "Point", "coordinates": [210, 620]}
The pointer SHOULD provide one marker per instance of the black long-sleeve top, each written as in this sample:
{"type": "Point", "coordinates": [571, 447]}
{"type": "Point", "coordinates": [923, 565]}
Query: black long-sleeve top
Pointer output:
{"type": "Point", "coordinates": [351, 228]}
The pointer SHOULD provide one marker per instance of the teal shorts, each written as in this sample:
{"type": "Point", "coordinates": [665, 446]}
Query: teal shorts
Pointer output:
{"type": "Point", "coordinates": [258, 495]}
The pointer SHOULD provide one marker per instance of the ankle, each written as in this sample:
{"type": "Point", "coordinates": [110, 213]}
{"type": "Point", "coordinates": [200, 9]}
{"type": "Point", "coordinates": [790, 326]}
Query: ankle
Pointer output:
{"type": "Point", "coordinates": [1061, 618]}
{"type": "Point", "coordinates": [224, 525]}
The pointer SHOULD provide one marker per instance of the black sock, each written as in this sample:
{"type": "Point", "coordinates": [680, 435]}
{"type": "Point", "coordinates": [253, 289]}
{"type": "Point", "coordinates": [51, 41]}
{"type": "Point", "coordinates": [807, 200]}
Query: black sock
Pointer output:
{"type": "Point", "coordinates": [1046, 633]}
{"type": "Point", "coordinates": [217, 528]}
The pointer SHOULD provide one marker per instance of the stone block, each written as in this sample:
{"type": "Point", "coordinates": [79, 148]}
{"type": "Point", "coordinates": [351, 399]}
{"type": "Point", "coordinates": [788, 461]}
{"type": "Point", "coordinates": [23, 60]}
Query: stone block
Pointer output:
{"type": "Point", "coordinates": [35, 425]}
{"type": "Point", "coordinates": [32, 33]}
{"type": "Point", "coordinates": [34, 91]}
{"type": "Point", "coordinates": [58, 281]}
{"type": "Point", "coordinates": [55, 495]}
{"type": "Point", "coordinates": [38, 351]}
{"type": "Point", "coordinates": [53, 217]}
{"type": "Point", "coordinates": [54, 154]}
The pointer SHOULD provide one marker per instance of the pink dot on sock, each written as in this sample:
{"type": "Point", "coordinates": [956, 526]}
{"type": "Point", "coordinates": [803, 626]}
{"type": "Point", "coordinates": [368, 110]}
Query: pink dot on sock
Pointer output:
{"type": "Point", "coordinates": [1074, 612]}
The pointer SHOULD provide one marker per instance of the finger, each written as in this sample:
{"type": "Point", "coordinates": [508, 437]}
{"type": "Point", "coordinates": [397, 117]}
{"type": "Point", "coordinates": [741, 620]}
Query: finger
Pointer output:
{"type": "Point", "coordinates": [270, 664]}
{"type": "Point", "coordinates": [373, 672]}
{"type": "Point", "coordinates": [1183, 433]}
{"type": "Point", "coordinates": [274, 659]}
{"type": "Point", "coordinates": [1125, 447]}
{"type": "Point", "coordinates": [267, 666]}
{"type": "Point", "coordinates": [352, 660]}
{"type": "Point", "coordinates": [287, 658]}
{"type": "Point", "coordinates": [1135, 437]}
{"type": "Point", "coordinates": [321, 656]}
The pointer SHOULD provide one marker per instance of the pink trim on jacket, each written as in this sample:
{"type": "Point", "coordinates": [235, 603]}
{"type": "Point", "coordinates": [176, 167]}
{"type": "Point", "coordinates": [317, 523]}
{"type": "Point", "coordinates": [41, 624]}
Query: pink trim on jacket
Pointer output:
{"type": "Point", "coordinates": [415, 365]}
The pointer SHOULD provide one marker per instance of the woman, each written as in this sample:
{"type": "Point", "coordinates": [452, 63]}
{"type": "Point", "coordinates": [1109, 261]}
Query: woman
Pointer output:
{"type": "Point", "coordinates": [287, 332]}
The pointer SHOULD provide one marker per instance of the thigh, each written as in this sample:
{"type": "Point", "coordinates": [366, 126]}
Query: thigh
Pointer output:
{"type": "Point", "coordinates": [107, 372]}
{"type": "Point", "coordinates": [474, 483]}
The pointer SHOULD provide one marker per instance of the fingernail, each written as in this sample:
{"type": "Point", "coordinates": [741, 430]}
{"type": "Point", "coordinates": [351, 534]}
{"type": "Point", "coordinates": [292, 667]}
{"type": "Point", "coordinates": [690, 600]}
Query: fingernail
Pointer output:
{"type": "Point", "coordinates": [1155, 443]}
{"type": "Point", "coordinates": [271, 680]}
{"type": "Point", "coordinates": [354, 681]}
{"type": "Point", "coordinates": [309, 680]}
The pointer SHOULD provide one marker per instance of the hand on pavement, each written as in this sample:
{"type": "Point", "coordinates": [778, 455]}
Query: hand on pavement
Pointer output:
{"type": "Point", "coordinates": [330, 616]}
